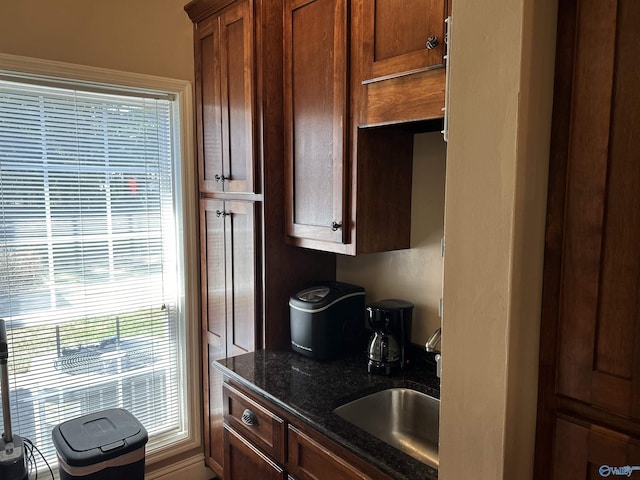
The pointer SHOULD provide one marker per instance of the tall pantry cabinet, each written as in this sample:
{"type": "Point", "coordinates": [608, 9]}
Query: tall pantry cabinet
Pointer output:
{"type": "Point", "coordinates": [589, 387]}
{"type": "Point", "coordinates": [247, 270]}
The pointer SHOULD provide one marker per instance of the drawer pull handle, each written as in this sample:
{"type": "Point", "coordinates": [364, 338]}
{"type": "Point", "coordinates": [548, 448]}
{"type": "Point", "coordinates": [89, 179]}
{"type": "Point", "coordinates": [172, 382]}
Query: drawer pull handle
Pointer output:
{"type": "Point", "coordinates": [249, 418]}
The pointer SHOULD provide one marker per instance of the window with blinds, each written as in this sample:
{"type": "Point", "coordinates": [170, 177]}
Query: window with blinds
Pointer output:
{"type": "Point", "coordinates": [88, 258]}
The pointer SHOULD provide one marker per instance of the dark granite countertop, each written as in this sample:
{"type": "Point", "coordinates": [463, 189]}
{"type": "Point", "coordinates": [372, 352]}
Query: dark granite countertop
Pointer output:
{"type": "Point", "coordinates": [309, 390]}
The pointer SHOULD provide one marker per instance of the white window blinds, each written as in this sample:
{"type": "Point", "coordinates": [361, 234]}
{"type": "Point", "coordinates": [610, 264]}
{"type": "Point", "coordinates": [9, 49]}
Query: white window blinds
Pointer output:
{"type": "Point", "coordinates": [88, 286]}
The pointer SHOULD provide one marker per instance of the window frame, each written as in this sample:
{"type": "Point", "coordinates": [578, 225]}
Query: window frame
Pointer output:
{"type": "Point", "coordinates": [63, 74]}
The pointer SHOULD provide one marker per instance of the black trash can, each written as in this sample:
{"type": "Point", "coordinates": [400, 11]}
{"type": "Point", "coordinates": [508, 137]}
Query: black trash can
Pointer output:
{"type": "Point", "coordinates": [101, 446]}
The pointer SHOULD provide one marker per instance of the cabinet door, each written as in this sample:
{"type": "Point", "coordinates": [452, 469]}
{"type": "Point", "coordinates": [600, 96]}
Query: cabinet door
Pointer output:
{"type": "Point", "coordinates": [213, 284]}
{"type": "Point", "coordinates": [236, 52]}
{"type": "Point", "coordinates": [243, 461]}
{"type": "Point", "coordinates": [590, 329]}
{"type": "Point", "coordinates": [599, 304]}
{"type": "Point", "coordinates": [213, 277]}
{"type": "Point", "coordinates": [588, 451]}
{"type": "Point", "coordinates": [316, 119]}
{"type": "Point", "coordinates": [208, 100]}
{"type": "Point", "coordinates": [308, 460]}
{"type": "Point", "coordinates": [241, 271]}
{"type": "Point", "coordinates": [228, 279]}
{"type": "Point", "coordinates": [402, 37]}
{"type": "Point", "coordinates": [225, 98]}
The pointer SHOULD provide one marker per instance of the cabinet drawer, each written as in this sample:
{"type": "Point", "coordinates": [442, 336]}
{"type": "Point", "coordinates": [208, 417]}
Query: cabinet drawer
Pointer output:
{"type": "Point", "coordinates": [259, 425]}
{"type": "Point", "coordinates": [243, 461]}
{"type": "Point", "coordinates": [308, 460]}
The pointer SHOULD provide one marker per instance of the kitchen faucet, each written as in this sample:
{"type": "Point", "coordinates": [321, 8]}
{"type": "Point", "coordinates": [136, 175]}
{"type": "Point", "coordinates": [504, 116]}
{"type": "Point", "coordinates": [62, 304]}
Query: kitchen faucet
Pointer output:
{"type": "Point", "coordinates": [433, 346]}
{"type": "Point", "coordinates": [434, 341]}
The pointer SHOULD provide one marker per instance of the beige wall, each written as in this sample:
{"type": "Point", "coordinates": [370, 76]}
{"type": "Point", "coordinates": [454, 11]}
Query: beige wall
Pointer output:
{"type": "Point", "coordinates": [415, 274]}
{"type": "Point", "coordinates": [153, 37]}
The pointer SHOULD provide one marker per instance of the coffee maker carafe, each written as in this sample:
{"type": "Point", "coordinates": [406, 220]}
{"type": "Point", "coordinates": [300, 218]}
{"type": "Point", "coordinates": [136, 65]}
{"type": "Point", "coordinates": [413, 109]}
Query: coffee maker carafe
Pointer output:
{"type": "Point", "coordinates": [388, 346]}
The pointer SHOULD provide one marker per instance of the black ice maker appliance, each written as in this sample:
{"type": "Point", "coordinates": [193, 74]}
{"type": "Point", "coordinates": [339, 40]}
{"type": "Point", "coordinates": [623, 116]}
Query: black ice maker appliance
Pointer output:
{"type": "Point", "coordinates": [327, 320]}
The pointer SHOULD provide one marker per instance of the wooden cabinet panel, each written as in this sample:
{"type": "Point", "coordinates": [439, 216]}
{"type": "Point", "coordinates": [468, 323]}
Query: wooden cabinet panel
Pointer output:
{"type": "Point", "coordinates": [209, 111]}
{"type": "Point", "coordinates": [213, 277]}
{"type": "Point", "coordinates": [243, 461]}
{"type": "Point", "coordinates": [225, 99]}
{"type": "Point", "coordinates": [589, 451]}
{"type": "Point", "coordinates": [213, 284]}
{"type": "Point", "coordinates": [241, 271]}
{"type": "Point", "coordinates": [237, 97]}
{"type": "Point", "coordinates": [599, 324]}
{"type": "Point", "coordinates": [403, 99]}
{"type": "Point", "coordinates": [397, 34]}
{"type": "Point", "coordinates": [213, 410]}
{"type": "Point", "coordinates": [309, 460]}
{"type": "Point", "coordinates": [213, 295]}
{"type": "Point", "coordinates": [228, 279]}
{"type": "Point", "coordinates": [315, 47]}
{"type": "Point", "coordinates": [343, 193]}
{"type": "Point", "coordinates": [229, 275]}
{"type": "Point", "coordinates": [590, 330]}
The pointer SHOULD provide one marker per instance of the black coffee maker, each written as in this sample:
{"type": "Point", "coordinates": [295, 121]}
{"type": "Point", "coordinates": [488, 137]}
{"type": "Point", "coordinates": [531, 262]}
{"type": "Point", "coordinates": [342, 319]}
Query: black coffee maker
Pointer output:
{"type": "Point", "coordinates": [388, 346]}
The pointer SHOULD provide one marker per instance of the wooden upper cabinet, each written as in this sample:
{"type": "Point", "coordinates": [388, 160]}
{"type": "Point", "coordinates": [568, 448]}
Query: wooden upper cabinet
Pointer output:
{"type": "Point", "coordinates": [397, 60]}
{"type": "Point", "coordinates": [316, 119]}
{"type": "Point", "coordinates": [209, 112]}
{"type": "Point", "coordinates": [347, 190]}
{"type": "Point", "coordinates": [402, 37]}
{"type": "Point", "coordinates": [225, 99]}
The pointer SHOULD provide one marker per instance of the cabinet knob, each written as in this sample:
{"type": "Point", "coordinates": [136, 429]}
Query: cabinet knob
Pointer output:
{"type": "Point", "coordinates": [249, 418]}
{"type": "Point", "coordinates": [221, 178]}
{"type": "Point", "coordinates": [336, 226]}
{"type": "Point", "coordinates": [432, 42]}
{"type": "Point", "coordinates": [220, 213]}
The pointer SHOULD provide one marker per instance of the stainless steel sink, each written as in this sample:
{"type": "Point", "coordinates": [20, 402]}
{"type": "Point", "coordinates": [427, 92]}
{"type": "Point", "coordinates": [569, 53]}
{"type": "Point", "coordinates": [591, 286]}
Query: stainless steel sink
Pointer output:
{"type": "Point", "coordinates": [406, 419]}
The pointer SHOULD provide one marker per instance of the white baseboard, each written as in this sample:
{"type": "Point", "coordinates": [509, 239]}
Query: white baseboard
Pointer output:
{"type": "Point", "coordinates": [192, 468]}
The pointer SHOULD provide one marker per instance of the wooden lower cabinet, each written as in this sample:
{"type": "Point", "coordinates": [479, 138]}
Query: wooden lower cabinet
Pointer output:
{"type": "Point", "coordinates": [309, 460]}
{"type": "Point", "coordinates": [258, 424]}
{"type": "Point", "coordinates": [584, 450]}
{"type": "Point", "coordinates": [261, 442]}
{"type": "Point", "coordinates": [229, 263]}
{"type": "Point", "coordinates": [243, 460]}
